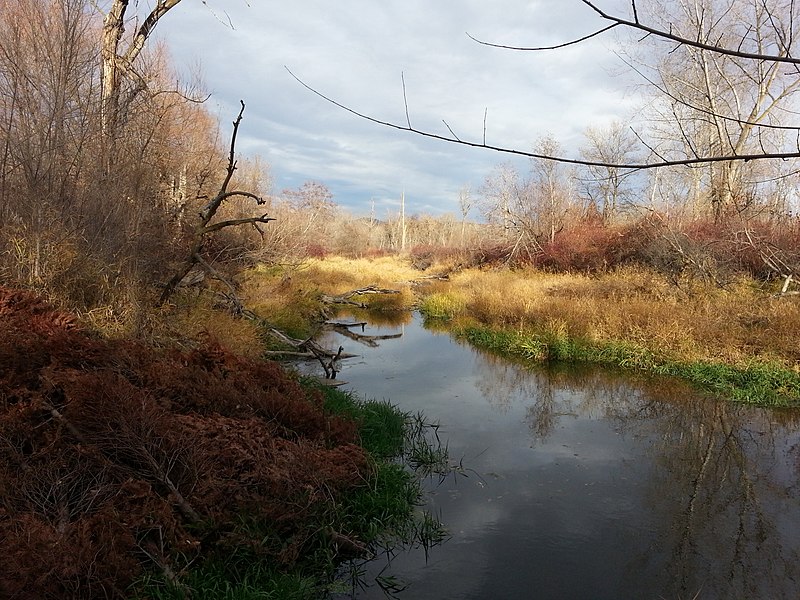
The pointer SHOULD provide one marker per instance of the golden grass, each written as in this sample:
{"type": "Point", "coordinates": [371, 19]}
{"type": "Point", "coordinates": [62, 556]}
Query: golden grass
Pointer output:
{"type": "Point", "coordinates": [735, 325]}
{"type": "Point", "coordinates": [272, 291]}
{"type": "Point", "coordinates": [634, 305]}
{"type": "Point", "coordinates": [200, 320]}
{"type": "Point", "coordinates": [338, 275]}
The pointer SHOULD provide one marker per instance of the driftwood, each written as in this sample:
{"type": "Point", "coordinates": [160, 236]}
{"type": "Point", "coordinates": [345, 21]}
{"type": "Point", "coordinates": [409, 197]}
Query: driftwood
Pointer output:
{"type": "Point", "coordinates": [426, 278]}
{"type": "Point", "coordinates": [361, 324]}
{"type": "Point", "coordinates": [307, 348]}
{"type": "Point", "coordinates": [332, 382]}
{"type": "Point", "coordinates": [368, 340]}
{"type": "Point", "coordinates": [346, 298]}
{"type": "Point", "coordinates": [785, 289]}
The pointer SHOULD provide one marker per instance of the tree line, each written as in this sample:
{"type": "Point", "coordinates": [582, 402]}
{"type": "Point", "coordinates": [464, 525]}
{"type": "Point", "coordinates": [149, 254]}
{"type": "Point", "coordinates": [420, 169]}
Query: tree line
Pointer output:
{"type": "Point", "coordinates": [107, 157]}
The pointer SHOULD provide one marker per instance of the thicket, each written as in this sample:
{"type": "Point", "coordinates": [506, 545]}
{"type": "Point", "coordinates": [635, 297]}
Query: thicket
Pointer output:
{"type": "Point", "coordinates": [124, 466]}
{"type": "Point", "coordinates": [701, 248]}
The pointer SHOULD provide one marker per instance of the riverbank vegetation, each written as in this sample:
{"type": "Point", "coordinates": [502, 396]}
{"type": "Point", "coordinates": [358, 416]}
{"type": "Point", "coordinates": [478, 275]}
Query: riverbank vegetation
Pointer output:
{"type": "Point", "coordinates": [734, 340]}
{"type": "Point", "coordinates": [129, 471]}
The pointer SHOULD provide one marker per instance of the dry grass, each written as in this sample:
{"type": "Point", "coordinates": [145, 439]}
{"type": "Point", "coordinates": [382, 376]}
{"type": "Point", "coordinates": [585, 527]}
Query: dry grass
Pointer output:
{"type": "Point", "coordinates": [274, 292]}
{"type": "Point", "coordinates": [239, 336]}
{"type": "Point", "coordinates": [338, 275]}
{"type": "Point", "coordinates": [736, 325]}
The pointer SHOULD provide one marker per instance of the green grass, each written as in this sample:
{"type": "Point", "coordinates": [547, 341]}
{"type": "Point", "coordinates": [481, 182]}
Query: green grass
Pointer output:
{"type": "Point", "coordinates": [221, 579]}
{"type": "Point", "coordinates": [441, 306]}
{"type": "Point", "coordinates": [756, 383]}
{"type": "Point", "coordinates": [382, 427]}
{"type": "Point", "coordinates": [404, 447]}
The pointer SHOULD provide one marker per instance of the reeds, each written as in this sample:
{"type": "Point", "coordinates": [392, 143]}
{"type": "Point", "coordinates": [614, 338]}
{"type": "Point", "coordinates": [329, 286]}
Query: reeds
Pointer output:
{"type": "Point", "coordinates": [739, 342]}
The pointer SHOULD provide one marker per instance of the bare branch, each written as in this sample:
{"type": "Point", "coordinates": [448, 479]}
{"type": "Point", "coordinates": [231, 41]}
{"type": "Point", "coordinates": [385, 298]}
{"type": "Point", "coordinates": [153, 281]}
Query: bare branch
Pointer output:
{"type": "Point", "coordinates": [453, 133]}
{"type": "Point", "coordinates": [695, 43]}
{"type": "Point", "coordinates": [207, 214]}
{"type": "Point", "coordinates": [162, 7]}
{"type": "Point", "coordinates": [556, 47]}
{"type": "Point", "coordinates": [561, 159]}
{"type": "Point", "coordinates": [666, 35]}
{"type": "Point", "coordinates": [233, 222]}
{"type": "Point", "coordinates": [405, 99]}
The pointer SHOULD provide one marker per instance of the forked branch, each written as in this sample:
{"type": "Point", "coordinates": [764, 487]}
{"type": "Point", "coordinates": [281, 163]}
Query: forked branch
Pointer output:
{"type": "Point", "coordinates": [205, 227]}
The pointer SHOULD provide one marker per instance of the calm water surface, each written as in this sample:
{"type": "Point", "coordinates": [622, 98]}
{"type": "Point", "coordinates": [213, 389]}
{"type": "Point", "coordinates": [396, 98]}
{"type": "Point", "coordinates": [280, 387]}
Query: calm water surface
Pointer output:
{"type": "Point", "coordinates": [588, 485]}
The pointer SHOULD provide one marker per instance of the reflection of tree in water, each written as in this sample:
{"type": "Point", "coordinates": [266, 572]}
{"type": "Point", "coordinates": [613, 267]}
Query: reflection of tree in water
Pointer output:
{"type": "Point", "coordinates": [548, 393]}
{"type": "Point", "coordinates": [723, 479]}
{"type": "Point", "coordinates": [720, 477]}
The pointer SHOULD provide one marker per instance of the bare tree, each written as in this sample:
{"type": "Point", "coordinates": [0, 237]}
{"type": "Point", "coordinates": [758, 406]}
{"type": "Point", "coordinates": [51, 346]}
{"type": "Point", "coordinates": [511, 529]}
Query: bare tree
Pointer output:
{"type": "Point", "coordinates": [609, 189]}
{"type": "Point", "coordinates": [465, 204]}
{"type": "Point", "coordinates": [531, 210]}
{"type": "Point", "coordinates": [46, 94]}
{"type": "Point", "coordinates": [552, 187]}
{"type": "Point", "coordinates": [713, 103]}
{"type": "Point", "coordinates": [205, 227]}
{"type": "Point", "coordinates": [121, 82]}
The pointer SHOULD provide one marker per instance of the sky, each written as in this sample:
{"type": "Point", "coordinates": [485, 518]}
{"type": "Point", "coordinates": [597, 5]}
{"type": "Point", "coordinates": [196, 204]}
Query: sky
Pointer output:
{"type": "Point", "coordinates": [360, 53]}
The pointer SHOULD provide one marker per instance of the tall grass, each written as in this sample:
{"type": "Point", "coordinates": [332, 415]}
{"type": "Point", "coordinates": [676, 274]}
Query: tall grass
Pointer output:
{"type": "Point", "coordinates": [737, 325]}
{"type": "Point", "coordinates": [739, 342]}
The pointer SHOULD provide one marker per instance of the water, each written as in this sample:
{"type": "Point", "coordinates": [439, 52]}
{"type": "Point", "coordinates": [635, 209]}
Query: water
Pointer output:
{"type": "Point", "coordinates": [588, 485]}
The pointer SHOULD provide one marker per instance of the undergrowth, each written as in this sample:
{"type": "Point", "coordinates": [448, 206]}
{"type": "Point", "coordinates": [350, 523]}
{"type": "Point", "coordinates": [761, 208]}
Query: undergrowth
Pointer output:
{"type": "Point", "coordinates": [127, 470]}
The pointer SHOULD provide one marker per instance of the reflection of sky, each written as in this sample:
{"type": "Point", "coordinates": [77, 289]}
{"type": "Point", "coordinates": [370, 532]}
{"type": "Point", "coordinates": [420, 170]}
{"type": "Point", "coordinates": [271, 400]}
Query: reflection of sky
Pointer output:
{"type": "Point", "coordinates": [565, 511]}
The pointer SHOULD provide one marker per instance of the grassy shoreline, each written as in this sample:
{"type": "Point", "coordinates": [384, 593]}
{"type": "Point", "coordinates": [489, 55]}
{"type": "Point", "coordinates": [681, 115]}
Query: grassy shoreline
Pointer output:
{"type": "Point", "coordinates": [760, 384]}
{"type": "Point", "coordinates": [737, 342]}
{"type": "Point", "coordinates": [382, 512]}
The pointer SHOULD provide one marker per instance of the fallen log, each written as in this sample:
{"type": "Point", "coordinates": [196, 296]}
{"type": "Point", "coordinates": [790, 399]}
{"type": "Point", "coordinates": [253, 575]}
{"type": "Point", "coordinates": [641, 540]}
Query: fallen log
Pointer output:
{"type": "Point", "coordinates": [361, 324]}
{"type": "Point", "coordinates": [367, 340]}
{"type": "Point", "coordinates": [344, 328]}
{"type": "Point", "coordinates": [346, 297]}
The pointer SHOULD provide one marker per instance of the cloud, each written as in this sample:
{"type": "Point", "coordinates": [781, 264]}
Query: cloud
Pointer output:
{"type": "Point", "coordinates": [359, 53]}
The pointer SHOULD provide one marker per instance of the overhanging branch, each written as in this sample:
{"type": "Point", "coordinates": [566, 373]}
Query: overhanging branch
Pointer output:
{"type": "Point", "coordinates": [698, 160]}
{"type": "Point", "coordinates": [668, 35]}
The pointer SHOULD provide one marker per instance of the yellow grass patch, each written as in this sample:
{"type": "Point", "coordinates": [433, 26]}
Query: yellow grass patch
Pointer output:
{"type": "Point", "coordinates": [735, 325]}
{"type": "Point", "coordinates": [300, 288]}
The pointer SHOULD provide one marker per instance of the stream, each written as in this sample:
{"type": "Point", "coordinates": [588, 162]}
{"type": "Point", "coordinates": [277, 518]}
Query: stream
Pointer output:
{"type": "Point", "coordinates": [581, 483]}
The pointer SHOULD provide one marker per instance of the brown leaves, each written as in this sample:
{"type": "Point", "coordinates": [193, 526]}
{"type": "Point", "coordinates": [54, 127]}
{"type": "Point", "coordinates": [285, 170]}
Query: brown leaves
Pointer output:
{"type": "Point", "coordinates": [109, 449]}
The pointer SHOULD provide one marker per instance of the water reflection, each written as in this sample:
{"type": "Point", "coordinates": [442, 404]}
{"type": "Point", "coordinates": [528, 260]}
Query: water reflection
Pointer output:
{"type": "Point", "coordinates": [389, 318]}
{"type": "Point", "coordinates": [593, 484]}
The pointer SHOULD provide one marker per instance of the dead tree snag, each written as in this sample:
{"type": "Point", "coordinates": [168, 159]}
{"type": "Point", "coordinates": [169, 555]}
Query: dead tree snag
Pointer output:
{"type": "Point", "coordinates": [205, 227]}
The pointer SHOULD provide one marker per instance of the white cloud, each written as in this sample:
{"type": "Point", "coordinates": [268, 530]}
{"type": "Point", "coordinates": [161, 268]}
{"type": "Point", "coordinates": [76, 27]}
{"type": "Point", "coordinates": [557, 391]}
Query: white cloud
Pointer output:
{"type": "Point", "coordinates": [356, 52]}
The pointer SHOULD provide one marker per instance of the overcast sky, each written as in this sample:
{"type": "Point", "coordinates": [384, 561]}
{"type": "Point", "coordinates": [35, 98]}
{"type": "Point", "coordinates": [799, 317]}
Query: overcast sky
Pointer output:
{"type": "Point", "coordinates": [357, 51]}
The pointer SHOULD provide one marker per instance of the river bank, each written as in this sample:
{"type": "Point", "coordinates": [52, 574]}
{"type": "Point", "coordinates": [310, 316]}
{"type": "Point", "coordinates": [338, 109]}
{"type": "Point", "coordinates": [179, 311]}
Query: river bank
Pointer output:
{"type": "Point", "coordinates": [131, 471]}
{"type": "Point", "coordinates": [736, 341]}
